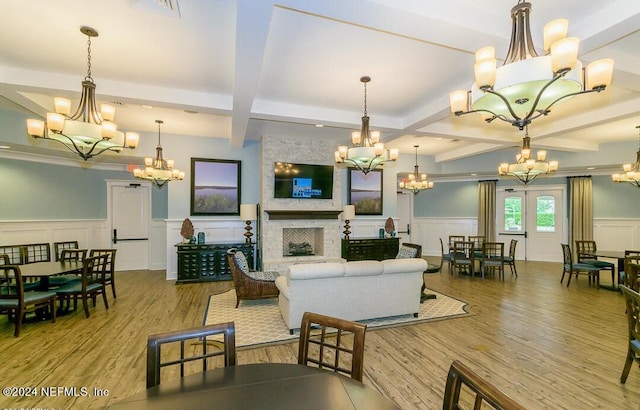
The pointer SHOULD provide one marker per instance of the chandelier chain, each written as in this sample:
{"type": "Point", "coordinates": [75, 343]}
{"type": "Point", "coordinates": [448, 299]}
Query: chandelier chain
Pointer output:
{"type": "Point", "coordinates": [88, 77]}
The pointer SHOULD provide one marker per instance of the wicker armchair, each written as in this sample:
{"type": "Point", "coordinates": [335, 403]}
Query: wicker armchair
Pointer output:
{"type": "Point", "coordinates": [250, 284]}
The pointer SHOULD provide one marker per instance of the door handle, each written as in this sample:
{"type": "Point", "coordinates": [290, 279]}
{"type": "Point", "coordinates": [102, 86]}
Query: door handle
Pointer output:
{"type": "Point", "coordinates": [115, 236]}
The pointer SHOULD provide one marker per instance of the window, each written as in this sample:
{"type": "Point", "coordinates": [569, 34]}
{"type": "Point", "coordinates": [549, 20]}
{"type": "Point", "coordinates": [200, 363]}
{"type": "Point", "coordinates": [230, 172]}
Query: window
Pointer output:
{"type": "Point", "coordinates": [545, 214]}
{"type": "Point", "coordinates": [513, 213]}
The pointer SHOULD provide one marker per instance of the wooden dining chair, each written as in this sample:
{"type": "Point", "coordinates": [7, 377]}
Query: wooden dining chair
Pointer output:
{"type": "Point", "coordinates": [58, 247]}
{"type": "Point", "coordinates": [455, 238]}
{"type": "Point", "coordinates": [463, 257]}
{"type": "Point", "coordinates": [16, 303]}
{"type": "Point", "coordinates": [630, 256]}
{"type": "Point", "coordinates": [445, 257]}
{"type": "Point", "coordinates": [466, 386]}
{"type": "Point", "coordinates": [492, 258]}
{"type": "Point", "coordinates": [36, 252]}
{"type": "Point", "coordinates": [321, 347]}
{"type": "Point", "coordinates": [586, 251]}
{"type": "Point", "coordinates": [632, 302]}
{"type": "Point", "coordinates": [14, 252]}
{"type": "Point", "coordinates": [91, 285]}
{"type": "Point", "coordinates": [511, 258]}
{"type": "Point", "coordinates": [570, 268]}
{"type": "Point", "coordinates": [211, 347]}
{"type": "Point", "coordinates": [110, 274]}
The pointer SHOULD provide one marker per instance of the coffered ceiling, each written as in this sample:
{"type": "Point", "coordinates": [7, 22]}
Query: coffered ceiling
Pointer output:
{"type": "Point", "coordinates": [239, 69]}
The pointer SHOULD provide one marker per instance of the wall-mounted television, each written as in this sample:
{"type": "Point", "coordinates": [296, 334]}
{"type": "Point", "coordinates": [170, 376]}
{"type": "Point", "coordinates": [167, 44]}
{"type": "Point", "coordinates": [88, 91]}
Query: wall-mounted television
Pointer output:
{"type": "Point", "coordinates": [303, 181]}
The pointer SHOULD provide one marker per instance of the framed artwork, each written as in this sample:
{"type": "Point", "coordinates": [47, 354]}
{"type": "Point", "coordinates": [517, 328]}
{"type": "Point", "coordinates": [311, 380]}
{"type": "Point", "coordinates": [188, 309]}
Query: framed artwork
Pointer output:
{"type": "Point", "coordinates": [215, 186]}
{"type": "Point", "coordinates": [365, 191]}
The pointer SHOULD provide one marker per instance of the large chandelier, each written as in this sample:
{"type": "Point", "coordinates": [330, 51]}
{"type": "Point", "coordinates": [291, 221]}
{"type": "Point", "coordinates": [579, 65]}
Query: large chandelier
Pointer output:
{"type": "Point", "coordinates": [417, 182]}
{"type": "Point", "coordinates": [368, 152]}
{"type": "Point", "coordinates": [87, 132]}
{"type": "Point", "coordinates": [527, 168]}
{"type": "Point", "coordinates": [526, 86]}
{"type": "Point", "coordinates": [158, 170]}
{"type": "Point", "coordinates": [631, 171]}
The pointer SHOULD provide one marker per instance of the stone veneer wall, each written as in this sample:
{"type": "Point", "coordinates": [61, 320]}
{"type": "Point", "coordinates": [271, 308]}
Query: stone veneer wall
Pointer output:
{"type": "Point", "coordinates": [287, 149]}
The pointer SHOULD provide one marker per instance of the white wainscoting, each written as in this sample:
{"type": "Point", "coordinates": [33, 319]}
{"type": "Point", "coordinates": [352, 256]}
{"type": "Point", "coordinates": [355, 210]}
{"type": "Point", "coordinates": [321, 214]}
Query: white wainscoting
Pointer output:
{"type": "Point", "coordinates": [222, 231]}
{"type": "Point", "coordinates": [616, 234]}
{"type": "Point", "coordinates": [90, 234]}
{"type": "Point", "coordinates": [428, 231]}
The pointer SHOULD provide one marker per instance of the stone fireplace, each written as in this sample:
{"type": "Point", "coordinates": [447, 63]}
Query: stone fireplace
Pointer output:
{"type": "Point", "coordinates": [298, 220]}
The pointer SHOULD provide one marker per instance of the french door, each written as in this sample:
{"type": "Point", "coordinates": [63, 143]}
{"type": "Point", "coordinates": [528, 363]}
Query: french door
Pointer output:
{"type": "Point", "coordinates": [536, 218]}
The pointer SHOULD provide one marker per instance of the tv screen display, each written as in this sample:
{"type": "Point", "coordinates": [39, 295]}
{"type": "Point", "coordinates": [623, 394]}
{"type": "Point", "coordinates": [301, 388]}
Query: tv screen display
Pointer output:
{"type": "Point", "coordinates": [303, 181]}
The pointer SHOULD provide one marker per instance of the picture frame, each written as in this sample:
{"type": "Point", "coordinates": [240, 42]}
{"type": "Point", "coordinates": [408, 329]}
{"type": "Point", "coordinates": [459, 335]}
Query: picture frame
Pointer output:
{"type": "Point", "coordinates": [365, 191]}
{"type": "Point", "coordinates": [215, 186]}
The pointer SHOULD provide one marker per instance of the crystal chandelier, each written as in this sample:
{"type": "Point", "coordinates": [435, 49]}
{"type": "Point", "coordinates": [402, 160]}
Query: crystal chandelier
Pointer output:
{"type": "Point", "coordinates": [368, 152]}
{"type": "Point", "coordinates": [526, 86]}
{"type": "Point", "coordinates": [526, 168]}
{"type": "Point", "coordinates": [158, 170]}
{"type": "Point", "coordinates": [87, 132]}
{"type": "Point", "coordinates": [631, 171]}
{"type": "Point", "coordinates": [417, 182]}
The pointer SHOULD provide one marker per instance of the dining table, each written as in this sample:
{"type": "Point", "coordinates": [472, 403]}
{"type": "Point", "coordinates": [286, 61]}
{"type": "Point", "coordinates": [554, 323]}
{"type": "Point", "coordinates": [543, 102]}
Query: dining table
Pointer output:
{"type": "Point", "coordinates": [44, 270]}
{"type": "Point", "coordinates": [619, 255]}
{"type": "Point", "coordinates": [262, 386]}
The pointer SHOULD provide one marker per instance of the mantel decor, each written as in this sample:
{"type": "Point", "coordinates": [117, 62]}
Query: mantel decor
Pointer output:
{"type": "Point", "coordinates": [365, 191]}
{"type": "Point", "coordinates": [215, 186]}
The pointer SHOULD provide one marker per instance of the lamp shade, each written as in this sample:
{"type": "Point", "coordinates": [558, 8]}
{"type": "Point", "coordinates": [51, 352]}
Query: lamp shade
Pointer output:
{"type": "Point", "coordinates": [248, 212]}
{"type": "Point", "coordinates": [348, 212]}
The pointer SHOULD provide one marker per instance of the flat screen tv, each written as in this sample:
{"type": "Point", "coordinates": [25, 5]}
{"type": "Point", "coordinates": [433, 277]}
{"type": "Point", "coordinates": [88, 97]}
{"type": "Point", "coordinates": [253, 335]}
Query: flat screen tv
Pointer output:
{"type": "Point", "coordinates": [303, 181]}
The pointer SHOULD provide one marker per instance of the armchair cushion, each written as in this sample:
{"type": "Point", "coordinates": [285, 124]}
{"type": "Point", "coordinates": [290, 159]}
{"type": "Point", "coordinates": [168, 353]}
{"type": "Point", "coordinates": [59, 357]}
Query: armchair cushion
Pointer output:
{"type": "Point", "coordinates": [269, 275]}
{"type": "Point", "coordinates": [241, 261]}
{"type": "Point", "coordinates": [406, 252]}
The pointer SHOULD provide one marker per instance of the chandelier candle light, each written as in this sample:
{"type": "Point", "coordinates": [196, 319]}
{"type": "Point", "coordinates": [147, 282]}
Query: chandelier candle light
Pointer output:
{"type": "Point", "coordinates": [631, 171]}
{"type": "Point", "coordinates": [417, 182]}
{"type": "Point", "coordinates": [87, 132]}
{"type": "Point", "coordinates": [368, 152]}
{"type": "Point", "coordinates": [526, 168]}
{"type": "Point", "coordinates": [158, 170]}
{"type": "Point", "coordinates": [526, 86]}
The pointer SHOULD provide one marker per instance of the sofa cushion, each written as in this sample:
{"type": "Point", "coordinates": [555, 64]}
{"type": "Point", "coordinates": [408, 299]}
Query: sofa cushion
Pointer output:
{"type": "Point", "coordinates": [406, 252]}
{"type": "Point", "coordinates": [404, 265]}
{"type": "Point", "coordinates": [363, 268]}
{"type": "Point", "coordinates": [315, 270]}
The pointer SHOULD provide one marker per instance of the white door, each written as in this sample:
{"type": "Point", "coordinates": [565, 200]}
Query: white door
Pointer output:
{"type": "Point", "coordinates": [404, 203]}
{"type": "Point", "coordinates": [535, 217]}
{"type": "Point", "coordinates": [130, 213]}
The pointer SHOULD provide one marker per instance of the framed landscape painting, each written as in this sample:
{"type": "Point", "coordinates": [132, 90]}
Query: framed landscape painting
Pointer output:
{"type": "Point", "coordinates": [365, 191]}
{"type": "Point", "coordinates": [215, 187]}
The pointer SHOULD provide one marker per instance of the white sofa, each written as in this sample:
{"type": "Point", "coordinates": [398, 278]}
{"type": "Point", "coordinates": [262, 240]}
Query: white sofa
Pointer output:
{"type": "Point", "coordinates": [353, 290]}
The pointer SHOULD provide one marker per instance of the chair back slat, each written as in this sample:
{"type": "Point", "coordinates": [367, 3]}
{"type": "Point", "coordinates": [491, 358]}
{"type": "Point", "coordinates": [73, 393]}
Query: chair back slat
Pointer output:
{"type": "Point", "coordinates": [198, 336]}
{"type": "Point", "coordinates": [14, 252]}
{"type": "Point", "coordinates": [58, 247]}
{"type": "Point", "coordinates": [36, 252]}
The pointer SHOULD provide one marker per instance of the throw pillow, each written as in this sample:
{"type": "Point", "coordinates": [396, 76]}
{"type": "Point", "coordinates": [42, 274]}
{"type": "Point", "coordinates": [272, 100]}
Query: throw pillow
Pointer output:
{"type": "Point", "coordinates": [406, 252]}
{"type": "Point", "coordinates": [241, 261]}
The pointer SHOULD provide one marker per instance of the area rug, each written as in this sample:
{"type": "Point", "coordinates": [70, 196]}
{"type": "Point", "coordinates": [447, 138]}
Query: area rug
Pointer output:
{"type": "Point", "coordinates": [259, 321]}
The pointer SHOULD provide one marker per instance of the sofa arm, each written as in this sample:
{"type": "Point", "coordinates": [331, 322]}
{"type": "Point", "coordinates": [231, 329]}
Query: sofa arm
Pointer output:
{"type": "Point", "coordinates": [282, 283]}
{"type": "Point", "coordinates": [404, 265]}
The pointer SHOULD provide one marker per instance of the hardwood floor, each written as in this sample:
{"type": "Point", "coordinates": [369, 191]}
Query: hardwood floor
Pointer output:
{"type": "Point", "coordinates": [545, 345]}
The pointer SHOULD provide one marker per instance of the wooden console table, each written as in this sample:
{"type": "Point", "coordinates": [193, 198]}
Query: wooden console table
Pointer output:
{"type": "Point", "coordinates": [208, 261]}
{"type": "Point", "coordinates": [360, 249]}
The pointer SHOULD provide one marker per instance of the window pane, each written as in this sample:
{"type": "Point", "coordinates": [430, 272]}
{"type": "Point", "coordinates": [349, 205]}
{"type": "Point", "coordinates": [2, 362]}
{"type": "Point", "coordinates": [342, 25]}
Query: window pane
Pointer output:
{"type": "Point", "coordinates": [513, 213]}
{"type": "Point", "coordinates": [545, 214]}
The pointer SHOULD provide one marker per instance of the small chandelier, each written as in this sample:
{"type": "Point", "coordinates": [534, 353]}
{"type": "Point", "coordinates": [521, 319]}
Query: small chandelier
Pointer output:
{"type": "Point", "coordinates": [417, 182]}
{"type": "Point", "coordinates": [158, 170]}
{"type": "Point", "coordinates": [526, 86]}
{"type": "Point", "coordinates": [368, 152]}
{"type": "Point", "coordinates": [631, 171]}
{"type": "Point", "coordinates": [87, 132]}
{"type": "Point", "coordinates": [526, 168]}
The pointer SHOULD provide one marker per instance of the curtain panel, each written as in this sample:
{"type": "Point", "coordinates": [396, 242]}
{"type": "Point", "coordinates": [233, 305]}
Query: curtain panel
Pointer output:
{"type": "Point", "coordinates": [487, 210]}
{"type": "Point", "coordinates": [581, 209]}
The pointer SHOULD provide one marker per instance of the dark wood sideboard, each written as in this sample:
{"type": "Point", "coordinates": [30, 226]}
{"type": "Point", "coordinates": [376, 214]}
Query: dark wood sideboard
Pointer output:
{"type": "Point", "coordinates": [208, 261]}
{"type": "Point", "coordinates": [360, 249]}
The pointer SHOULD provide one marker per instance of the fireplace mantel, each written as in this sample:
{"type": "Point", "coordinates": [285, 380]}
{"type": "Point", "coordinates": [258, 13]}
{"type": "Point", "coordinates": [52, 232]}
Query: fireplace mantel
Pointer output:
{"type": "Point", "coordinates": [295, 214]}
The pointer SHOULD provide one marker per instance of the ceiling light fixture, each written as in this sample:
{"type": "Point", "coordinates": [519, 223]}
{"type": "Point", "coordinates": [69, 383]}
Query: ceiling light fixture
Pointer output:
{"type": "Point", "coordinates": [158, 170]}
{"type": "Point", "coordinates": [368, 152]}
{"type": "Point", "coordinates": [526, 86]}
{"type": "Point", "coordinates": [416, 182]}
{"type": "Point", "coordinates": [87, 132]}
{"type": "Point", "coordinates": [631, 171]}
{"type": "Point", "coordinates": [526, 168]}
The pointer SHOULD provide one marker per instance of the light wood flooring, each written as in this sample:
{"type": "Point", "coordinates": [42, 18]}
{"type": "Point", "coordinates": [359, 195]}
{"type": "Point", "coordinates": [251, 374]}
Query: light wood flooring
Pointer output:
{"type": "Point", "coordinates": [546, 345]}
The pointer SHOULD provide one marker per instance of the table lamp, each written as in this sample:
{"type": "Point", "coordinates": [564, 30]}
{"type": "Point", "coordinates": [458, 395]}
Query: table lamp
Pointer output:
{"type": "Point", "coordinates": [248, 213]}
{"type": "Point", "coordinates": [348, 213]}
